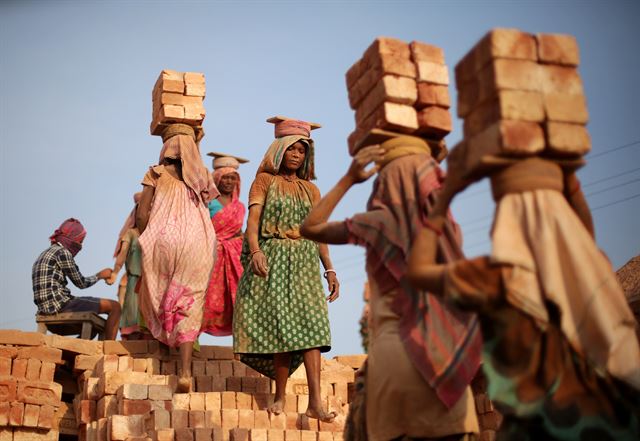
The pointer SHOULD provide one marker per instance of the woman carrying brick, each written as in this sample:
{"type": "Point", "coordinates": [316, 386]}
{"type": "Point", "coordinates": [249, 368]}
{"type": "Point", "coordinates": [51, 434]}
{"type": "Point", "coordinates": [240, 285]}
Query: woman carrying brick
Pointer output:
{"type": "Point", "coordinates": [227, 216]}
{"type": "Point", "coordinates": [178, 244]}
{"type": "Point", "coordinates": [560, 350]}
{"type": "Point", "coordinates": [281, 314]}
{"type": "Point", "coordinates": [422, 353]}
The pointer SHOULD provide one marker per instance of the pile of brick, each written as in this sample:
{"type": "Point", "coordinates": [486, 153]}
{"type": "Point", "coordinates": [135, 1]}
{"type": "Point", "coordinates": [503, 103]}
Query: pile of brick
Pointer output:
{"type": "Point", "coordinates": [177, 98]}
{"type": "Point", "coordinates": [399, 87]}
{"type": "Point", "coordinates": [521, 95]}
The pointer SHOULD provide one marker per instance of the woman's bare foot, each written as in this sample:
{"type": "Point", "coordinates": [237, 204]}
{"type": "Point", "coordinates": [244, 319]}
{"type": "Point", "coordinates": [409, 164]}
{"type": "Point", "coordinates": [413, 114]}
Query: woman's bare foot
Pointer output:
{"type": "Point", "coordinates": [319, 414]}
{"type": "Point", "coordinates": [184, 385]}
{"type": "Point", "coordinates": [277, 407]}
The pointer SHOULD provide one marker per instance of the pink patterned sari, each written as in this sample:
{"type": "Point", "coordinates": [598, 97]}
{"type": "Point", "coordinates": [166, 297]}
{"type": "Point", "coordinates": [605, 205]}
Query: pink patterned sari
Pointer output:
{"type": "Point", "coordinates": [221, 294]}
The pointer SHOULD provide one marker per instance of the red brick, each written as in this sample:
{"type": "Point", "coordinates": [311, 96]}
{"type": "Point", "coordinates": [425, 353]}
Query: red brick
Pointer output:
{"type": "Point", "coordinates": [16, 414]}
{"type": "Point", "coordinates": [226, 368]}
{"type": "Point", "coordinates": [505, 137]}
{"type": "Point", "coordinates": [76, 345]}
{"type": "Point", "coordinates": [426, 52]}
{"type": "Point", "coordinates": [390, 88]}
{"type": "Point", "coordinates": [433, 122]}
{"type": "Point", "coordinates": [46, 416]}
{"type": "Point", "coordinates": [125, 363]}
{"type": "Point", "coordinates": [19, 338]}
{"type": "Point", "coordinates": [133, 392]}
{"type": "Point", "coordinates": [278, 421]}
{"type": "Point", "coordinates": [31, 412]}
{"type": "Point", "coordinates": [560, 79]}
{"type": "Point", "coordinates": [127, 347]}
{"type": "Point", "coordinates": [228, 400]}
{"type": "Point", "coordinates": [47, 371]}
{"type": "Point", "coordinates": [245, 418]}
{"type": "Point", "coordinates": [160, 392]}
{"type": "Point", "coordinates": [261, 401]}
{"type": "Point", "coordinates": [518, 105]}
{"type": "Point", "coordinates": [134, 407]}
{"type": "Point", "coordinates": [390, 116]}
{"type": "Point", "coordinates": [106, 406]}
{"type": "Point", "coordinates": [123, 427]}
{"type": "Point", "coordinates": [558, 49]}
{"type": "Point", "coordinates": [165, 435]}
{"type": "Point", "coordinates": [180, 401]}
{"type": "Point", "coordinates": [212, 368]}
{"type": "Point", "coordinates": [432, 95]}
{"type": "Point", "coordinates": [39, 392]}
{"type": "Point", "coordinates": [261, 419]}
{"type": "Point", "coordinates": [196, 419]}
{"type": "Point", "coordinates": [140, 365]}
{"type": "Point", "coordinates": [248, 385]}
{"type": "Point", "coordinates": [229, 418]}
{"type": "Point", "coordinates": [243, 400]}
{"type": "Point", "coordinates": [263, 385]}
{"type": "Point", "coordinates": [239, 434]}
{"type": "Point", "coordinates": [8, 351]}
{"type": "Point", "coordinates": [87, 411]}
{"type": "Point", "coordinates": [567, 139]}
{"type": "Point", "coordinates": [292, 435]}
{"type": "Point", "coordinates": [212, 418]}
{"type": "Point", "coordinates": [19, 368]}
{"type": "Point", "coordinates": [213, 401]}
{"type": "Point", "coordinates": [198, 367]}
{"type": "Point", "coordinates": [204, 383]}
{"type": "Point", "coordinates": [5, 411]}
{"type": "Point", "coordinates": [33, 369]}
{"type": "Point", "coordinates": [5, 366]}
{"type": "Point", "coordinates": [291, 419]}
{"type": "Point", "coordinates": [307, 435]}
{"type": "Point", "coordinates": [160, 418]}
{"type": "Point", "coordinates": [179, 419]}
{"type": "Point", "coordinates": [434, 73]}
{"type": "Point", "coordinates": [86, 362]}
{"type": "Point", "coordinates": [8, 389]}
{"type": "Point", "coordinates": [202, 434]}
{"type": "Point", "coordinates": [193, 89]}
{"type": "Point", "coordinates": [169, 367]}
{"type": "Point", "coordinates": [275, 435]}
{"type": "Point", "coordinates": [325, 436]}
{"type": "Point", "coordinates": [223, 353]}
{"type": "Point", "coordinates": [197, 401]}
{"type": "Point", "coordinates": [218, 384]}
{"type": "Point", "coordinates": [568, 108]}
{"type": "Point", "coordinates": [170, 81]}
{"type": "Point", "coordinates": [234, 384]}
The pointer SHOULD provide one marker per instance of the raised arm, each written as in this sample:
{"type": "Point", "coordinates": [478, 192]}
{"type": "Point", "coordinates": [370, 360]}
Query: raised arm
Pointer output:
{"type": "Point", "coordinates": [423, 272]}
{"type": "Point", "coordinates": [315, 226]}
{"type": "Point", "coordinates": [120, 258]}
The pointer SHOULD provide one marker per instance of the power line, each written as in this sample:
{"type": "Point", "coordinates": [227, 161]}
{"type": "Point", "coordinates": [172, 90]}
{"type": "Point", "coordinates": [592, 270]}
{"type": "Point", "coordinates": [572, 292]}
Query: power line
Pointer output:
{"type": "Point", "coordinates": [616, 202]}
{"type": "Point", "coordinates": [613, 187]}
{"type": "Point", "coordinates": [598, 181]}
{"type": "Point", "coordinates": [615, 149]}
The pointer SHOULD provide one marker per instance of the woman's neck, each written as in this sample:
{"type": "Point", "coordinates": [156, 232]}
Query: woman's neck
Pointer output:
{"type": "Point", "coordinates": [224, 199]}
{"type": "Point", "coordinates": [288, 173]}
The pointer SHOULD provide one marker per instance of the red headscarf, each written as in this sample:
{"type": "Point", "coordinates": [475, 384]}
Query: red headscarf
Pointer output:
{"type": "Point", "coordinates": [70, 235]}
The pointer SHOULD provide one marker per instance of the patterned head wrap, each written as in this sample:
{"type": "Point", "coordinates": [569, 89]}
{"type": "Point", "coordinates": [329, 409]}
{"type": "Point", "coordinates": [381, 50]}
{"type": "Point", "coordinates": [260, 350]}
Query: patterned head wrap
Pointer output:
{"type": "Point", "coordinates": [70, 235]}
{"type": "Point", "coordinates": [273, 158]}
{"type": "Point", "coordinates": [292, 127]}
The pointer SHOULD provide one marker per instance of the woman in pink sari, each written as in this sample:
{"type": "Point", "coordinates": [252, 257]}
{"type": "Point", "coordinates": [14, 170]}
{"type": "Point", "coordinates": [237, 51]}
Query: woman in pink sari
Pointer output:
{"type": "Point", "coordinates": [178, 244]}
{"type": "Point", "coordinates": [227, 216]}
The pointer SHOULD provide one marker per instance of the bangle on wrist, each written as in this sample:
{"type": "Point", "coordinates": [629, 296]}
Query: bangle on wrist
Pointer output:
{"type": "Point", "coordinates": [428, 224]}
{"type": "Point", "coordinates": [330, 270]}
{"type": "Point", "coordinates": [256, 252]}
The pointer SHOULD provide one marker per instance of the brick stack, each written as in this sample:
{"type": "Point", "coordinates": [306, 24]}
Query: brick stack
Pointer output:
{"type": "Point", "coordinates": [521, 95]}
{"type": "Point", "coordinates": [401, 88]}
{"type": "Point", "coordinates": [177, 98]}
{"type": "Point", "coordinates": [128, 393]}
{"type": "Point", "coordinates": [29, 397]}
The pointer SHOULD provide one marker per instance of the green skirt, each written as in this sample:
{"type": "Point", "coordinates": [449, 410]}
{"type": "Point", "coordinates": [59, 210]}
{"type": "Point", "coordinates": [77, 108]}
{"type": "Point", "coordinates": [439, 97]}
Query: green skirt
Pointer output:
{"type": "Point", "coordinates": [284, 312]}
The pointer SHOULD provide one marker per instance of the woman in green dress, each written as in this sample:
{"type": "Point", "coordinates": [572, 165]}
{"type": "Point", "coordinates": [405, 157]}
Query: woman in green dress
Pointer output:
{"type": "Point", "coordinates": [281, 314]}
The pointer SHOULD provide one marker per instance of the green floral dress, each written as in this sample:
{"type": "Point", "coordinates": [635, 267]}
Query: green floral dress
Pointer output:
{"type": "Point", "coordinates": [286, 311]}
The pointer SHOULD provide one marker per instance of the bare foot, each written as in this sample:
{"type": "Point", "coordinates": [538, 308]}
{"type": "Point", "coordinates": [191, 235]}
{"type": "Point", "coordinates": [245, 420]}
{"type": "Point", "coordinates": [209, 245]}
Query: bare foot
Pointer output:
{"type": "Point", "coordinates": [319, 414]}
{"type": "Point", "coordinates": [184, 385]}
{"type": "Point", "coordinates": [277, 407]}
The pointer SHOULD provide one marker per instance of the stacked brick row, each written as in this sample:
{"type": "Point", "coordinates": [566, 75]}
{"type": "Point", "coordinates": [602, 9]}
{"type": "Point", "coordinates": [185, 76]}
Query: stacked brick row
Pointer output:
{"type": "Point", "coordinates": [178, 98]}
{"type": "Point", "coordinates": [399, 87]}
{"type": "Point", "coordinates": [521, 95]}
{"type": "Point", "coordinates": [128, 393]}
{"type": "Point", "coordinates": [29, 396]}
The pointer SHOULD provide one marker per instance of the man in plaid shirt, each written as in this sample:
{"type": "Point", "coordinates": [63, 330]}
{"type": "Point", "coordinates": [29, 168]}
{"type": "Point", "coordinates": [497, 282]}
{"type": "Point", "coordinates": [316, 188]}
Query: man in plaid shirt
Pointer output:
{"type": "Point", "coordinates": [51, 270]}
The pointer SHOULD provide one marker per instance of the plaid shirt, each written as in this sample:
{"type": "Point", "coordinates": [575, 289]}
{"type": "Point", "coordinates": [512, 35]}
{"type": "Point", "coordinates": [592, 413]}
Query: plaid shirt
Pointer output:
{"type": "Point", "coordinates": [49, 276]}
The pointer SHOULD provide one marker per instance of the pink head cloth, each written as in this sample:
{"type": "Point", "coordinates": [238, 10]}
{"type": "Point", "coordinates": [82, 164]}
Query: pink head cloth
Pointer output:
{"type": "Point", "coordinates": [292, 127]}
{"type": "Point", "coordinates": [219, 172]}
{"type": "Point", "coordinates": [70, 235]}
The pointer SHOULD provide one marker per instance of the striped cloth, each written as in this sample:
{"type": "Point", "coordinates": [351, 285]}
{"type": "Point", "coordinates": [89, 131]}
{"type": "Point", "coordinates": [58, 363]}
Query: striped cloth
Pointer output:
{"type": "Point", "coordinates": [443, 343]}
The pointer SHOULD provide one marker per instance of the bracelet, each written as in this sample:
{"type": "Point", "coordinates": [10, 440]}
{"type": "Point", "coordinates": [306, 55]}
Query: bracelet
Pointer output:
{"type": "Point", "coordinates": [429, 225]}
{"type": "Point", "coordinates": [330, 270]}
{"type": "Point", "coordinates": [255, 252]}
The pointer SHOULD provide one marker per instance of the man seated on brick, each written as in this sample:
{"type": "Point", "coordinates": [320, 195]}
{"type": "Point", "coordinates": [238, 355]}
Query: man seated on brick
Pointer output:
{"type": "Point", "coordinates": [49, 276]}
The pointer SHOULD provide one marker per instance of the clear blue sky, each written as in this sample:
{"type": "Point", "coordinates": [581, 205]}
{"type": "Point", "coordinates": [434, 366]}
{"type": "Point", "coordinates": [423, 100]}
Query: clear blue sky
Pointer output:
{"type": "Point", "coordinates": [75, 107]}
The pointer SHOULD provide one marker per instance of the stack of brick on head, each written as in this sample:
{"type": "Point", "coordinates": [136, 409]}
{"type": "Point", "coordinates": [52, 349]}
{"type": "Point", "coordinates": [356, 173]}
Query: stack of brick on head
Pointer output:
{"type": "Point", "coordinates": [560, 351]}
{"type": "Point", "coordinates": [177, 238]}
{"type": "Point", "coordinates": [423, 354]}
{"type": "Point", "coordinates": [400, 88]}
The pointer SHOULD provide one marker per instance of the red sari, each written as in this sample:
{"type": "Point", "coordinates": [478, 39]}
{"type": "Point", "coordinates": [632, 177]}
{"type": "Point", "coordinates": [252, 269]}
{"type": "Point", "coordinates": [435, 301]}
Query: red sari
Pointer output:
{"type": "Point", "coordinates": [221, 294]}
